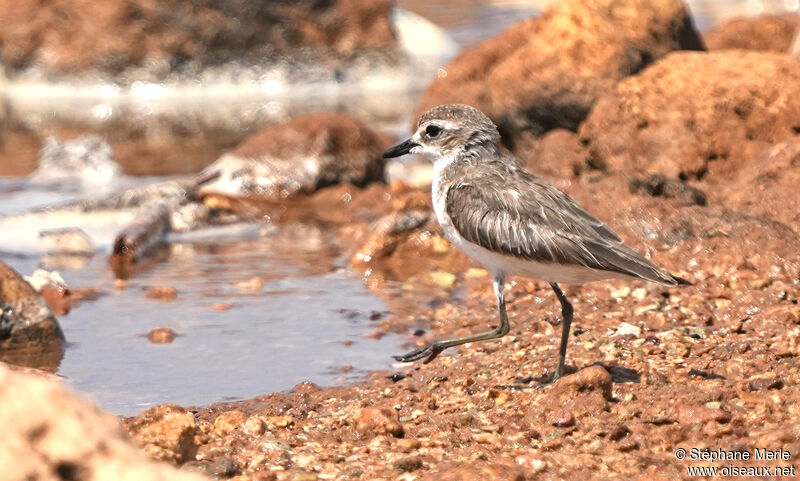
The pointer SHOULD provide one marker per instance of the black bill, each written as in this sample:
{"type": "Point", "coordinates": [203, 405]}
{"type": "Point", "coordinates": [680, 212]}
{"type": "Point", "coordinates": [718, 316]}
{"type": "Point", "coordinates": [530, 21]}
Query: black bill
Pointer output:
{"type": "Point", "coordinates": [400, 149]}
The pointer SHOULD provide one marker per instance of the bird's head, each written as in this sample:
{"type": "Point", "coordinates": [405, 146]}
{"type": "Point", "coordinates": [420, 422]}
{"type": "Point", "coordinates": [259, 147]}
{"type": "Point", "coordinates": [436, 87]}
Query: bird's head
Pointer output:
{"type": "Point", "coordinates": [447, 130]}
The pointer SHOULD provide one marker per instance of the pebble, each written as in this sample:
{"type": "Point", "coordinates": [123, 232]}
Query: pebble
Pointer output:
{"type": "Point", "coordinates": [621, 292]}
{"type": "Point", "coordinates": [646, 308]}
{"type": "Point", "coordinates": [273, 422]}
{"type": "Point", "coordinates": [408, 463]}
{"type": "Point", "coordinates": [254, 284]}
{"type": "Point", "coordinates": [223, 467]}
{"type": "Point", "coordinates": [377, 421]}
{"type": "Point", "coordinates": [589, 379]}
{"type": "Point", "coordinates": [442, 279]}
{"type": "Point", "coordinates": [255, 426]}
{"type": "Point", "coordinates": [763, 384]}
{"type": "Point", "coordinates": [625, 329]}
{"type": "Point", "coordinates": [702, 415]}
{"type": "Point", "coordinates": [303, 475]}
{"type": "Point", "coordinates": [161, 293]}
{"type": "Point", "coordinates": [228, 421]}
{"type": "Point", "coordinates": [408, 444]}
{"type": "Point", "coordinates": [563, 419]}
{"type": "Point", "coordinates": [162, 335]}
{"type": "Point", "coordinates": [618, 432]}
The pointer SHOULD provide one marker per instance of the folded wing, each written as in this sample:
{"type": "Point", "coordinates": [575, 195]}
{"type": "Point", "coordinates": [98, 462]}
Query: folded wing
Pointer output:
{"type": "Point", "coordinates": [542, 224]}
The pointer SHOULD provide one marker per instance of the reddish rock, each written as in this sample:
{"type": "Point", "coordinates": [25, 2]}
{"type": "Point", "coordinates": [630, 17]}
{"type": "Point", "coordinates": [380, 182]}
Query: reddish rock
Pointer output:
{"type": "Point", "coordinates": [166, 432]}
{"type": "Point", "coordinates": [702, 415]}
{"type": "Point", "coordinates": [408, 463]}
{"type": "Point", "coordinates": [767, 185]}
{"type": "Point", "coordinates": [161, 335]}
{"type": "Point", "coordinates": [76, 441]}
{"type": "Point", "coordinates": [589, 380]}
{"type": "Point", "coordinates": [763, 384]}
{"type": "Point", "coordinates": [377, 421]}
{"type": "Point", "coordinates": [299, 157]}
{"type": "Point", "coordinates": [692, 114]}
{"type": "Point", "coordinates": [254, 426]}
{"type": "Point", "coordinates": [618, 432]}
{"type": "Point", "coordinates": [563, 419]}
{"type": "Point", "coordinates": [69, 36]}
{"type": "Point", "coordinates": [229, 421]}
{"type": "Point", "coordinates": [547, 72]}
{"type": "Point", "coordinates": [585, 393]}
{"type": "Point", "coordinates": [29, 333]}
{"type": "Point", "coordinates": [769, 32]}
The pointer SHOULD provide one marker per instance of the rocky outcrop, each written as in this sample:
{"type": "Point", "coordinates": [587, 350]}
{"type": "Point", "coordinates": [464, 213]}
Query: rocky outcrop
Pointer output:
{"type": "Point", "coordinates": [769, 32]}
{"type": "Point", "coordinates": [152, 39]}
{"type": "Point", "coordinates": [29, 333]}
{"type": "Point", "coordinates": [299, 157]}
{"type": "Point", "coordinates": [767, 185]}
{"type": "Point", "coordinates": [548, 72]}
{"type": "Point", "coordinates": [692, 114]}
{"type": "Point", "coordinates": [51, 434]}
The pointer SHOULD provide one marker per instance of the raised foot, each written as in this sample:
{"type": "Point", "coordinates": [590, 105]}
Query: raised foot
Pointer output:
{"type": "Point", "coordinates": [430, 351]}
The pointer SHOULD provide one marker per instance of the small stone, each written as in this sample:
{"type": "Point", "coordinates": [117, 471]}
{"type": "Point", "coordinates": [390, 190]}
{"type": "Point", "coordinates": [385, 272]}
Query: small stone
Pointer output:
{"type": "Point", "coordinates": [254, 284]}
{"type": "Point", "coordinates": [475, 272]}
{"type": "Point", "coordinates": [221, 306]}
{"type": "Point", "coordinates": [628, 445]}
{"type": "Point", "coordinates": [408, 463]}
{"type": "Point", "coordinates": [532, 462]}
{"type": "Point", "coordinates": [763, 384]}
{"type": "Point", "coordinates": [621, 292]}
{"type": "Point", "coordinates": [273, 422]}
{"type": "Point", "coordinates": [166, 432]}
{"type": "Point", "coordinates": [161, 293]}
{"type": "Point", "coordinates": [228, 421]}
{"type": "Point", "coordinates": [702, 415]}
{"type": "Point", "coordinates": [223, 467]}
{"type": "Point", "coordinates": [563, 419]}
{"type": "Point", "coordinates": [303, 475]}
{"type": "Point", "coordinates": [254, 426]}
{"type": "Point", "coordinates": [618, 432]}
{"type": "Point", "coordinates": [408, 444]}
{"type": "Point", "coordinates": [584, 393]}
{"type": "Point", "coordinates": [625, 329]}
{"type": "Point", "coordinates": [589, 379]}
{"type": "Point", "coordinates": [377, 421]}
{"type": "Point", "coordinates": [442, 279]}
{"type": "Point", "coordinates": [646, 308]}
{"type": "Point", "coordinates": [162, 335]}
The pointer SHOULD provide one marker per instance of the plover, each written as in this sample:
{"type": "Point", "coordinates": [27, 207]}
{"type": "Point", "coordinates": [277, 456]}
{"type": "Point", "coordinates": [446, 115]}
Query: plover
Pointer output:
{"type": "Point", "coordinates": [512, 222]}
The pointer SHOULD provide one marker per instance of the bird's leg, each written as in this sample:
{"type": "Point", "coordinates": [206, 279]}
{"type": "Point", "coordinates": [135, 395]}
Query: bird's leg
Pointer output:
{"type": "Point", "coordinates": [566, 314]}
{"type": "Point", "coordinates": [430, 351]}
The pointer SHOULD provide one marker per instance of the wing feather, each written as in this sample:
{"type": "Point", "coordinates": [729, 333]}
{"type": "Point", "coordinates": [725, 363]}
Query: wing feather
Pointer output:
{"type": "Point", "coordinates": [524, 216]}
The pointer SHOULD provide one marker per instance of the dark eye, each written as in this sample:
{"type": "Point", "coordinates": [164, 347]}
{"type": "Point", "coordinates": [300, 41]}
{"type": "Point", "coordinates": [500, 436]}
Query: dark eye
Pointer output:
{"type": "Point", "coordinates": [432, 130]}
